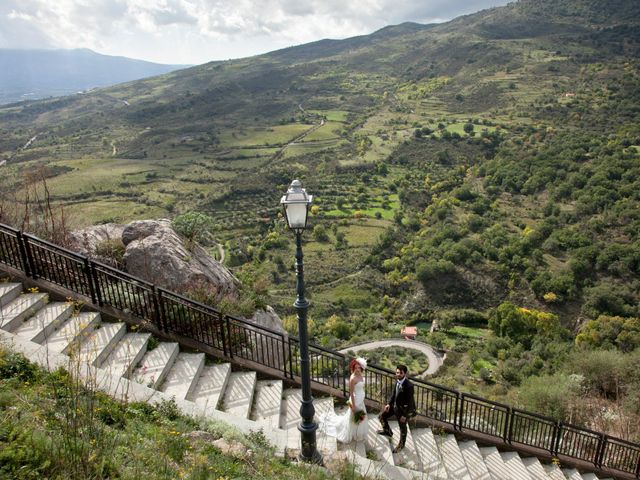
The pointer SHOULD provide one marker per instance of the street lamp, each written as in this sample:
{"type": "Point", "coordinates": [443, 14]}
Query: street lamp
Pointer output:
{"type": "Point", "coordinates": [296, 208]}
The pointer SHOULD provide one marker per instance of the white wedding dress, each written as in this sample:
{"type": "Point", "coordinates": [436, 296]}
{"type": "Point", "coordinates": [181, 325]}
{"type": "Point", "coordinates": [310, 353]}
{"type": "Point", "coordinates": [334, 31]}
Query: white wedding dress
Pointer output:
{"type": "Point", "coordinates": [342, 426]}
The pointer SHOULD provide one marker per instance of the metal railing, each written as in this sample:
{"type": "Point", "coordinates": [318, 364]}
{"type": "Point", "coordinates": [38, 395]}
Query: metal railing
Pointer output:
{"type": "Point", "coordinates": [235, 338]}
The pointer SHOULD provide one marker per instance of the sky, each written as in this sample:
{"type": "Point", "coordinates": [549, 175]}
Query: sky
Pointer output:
{"type": "Point", "coordinates": [199, 31]}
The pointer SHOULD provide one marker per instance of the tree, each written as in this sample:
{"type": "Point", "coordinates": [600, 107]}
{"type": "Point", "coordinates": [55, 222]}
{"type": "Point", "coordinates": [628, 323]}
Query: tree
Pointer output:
{"type": "Point", "coordinates": [194, 226]}
{"type": "Point", "coordinates": [468, 128]}
{"type": "Point", "coordinates": [320, 233]}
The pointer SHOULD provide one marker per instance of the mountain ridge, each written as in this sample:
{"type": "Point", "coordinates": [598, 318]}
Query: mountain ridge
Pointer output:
{"type": "Point", "coordinates": [39, 73]}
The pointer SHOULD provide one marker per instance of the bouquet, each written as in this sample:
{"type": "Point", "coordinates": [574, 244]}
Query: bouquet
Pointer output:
{"type": "Point", "coordinates": [359, 416]}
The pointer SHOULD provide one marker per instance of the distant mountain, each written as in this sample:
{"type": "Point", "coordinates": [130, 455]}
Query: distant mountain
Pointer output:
{"type": "Point", "coordinates": [32, 74]}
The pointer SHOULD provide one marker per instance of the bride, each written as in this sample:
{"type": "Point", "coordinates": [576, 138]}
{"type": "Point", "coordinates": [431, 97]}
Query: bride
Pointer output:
{"type": "Point", "coordinates": [351, 425]}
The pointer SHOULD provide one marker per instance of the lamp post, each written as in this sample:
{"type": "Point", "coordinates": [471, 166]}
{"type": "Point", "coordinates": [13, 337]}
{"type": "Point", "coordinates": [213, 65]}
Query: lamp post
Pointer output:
{"type": "Point", "coordinates": [296, 208]}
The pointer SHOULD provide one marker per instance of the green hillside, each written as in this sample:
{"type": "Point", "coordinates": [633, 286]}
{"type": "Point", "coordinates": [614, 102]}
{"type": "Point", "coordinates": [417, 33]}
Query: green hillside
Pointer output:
{"type": "Point", "coordinates": [482, 173]}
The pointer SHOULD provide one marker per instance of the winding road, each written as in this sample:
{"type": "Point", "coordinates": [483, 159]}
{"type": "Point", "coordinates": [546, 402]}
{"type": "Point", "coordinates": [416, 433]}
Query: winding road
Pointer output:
{"type": "Point", "coordinates": [435, 357]}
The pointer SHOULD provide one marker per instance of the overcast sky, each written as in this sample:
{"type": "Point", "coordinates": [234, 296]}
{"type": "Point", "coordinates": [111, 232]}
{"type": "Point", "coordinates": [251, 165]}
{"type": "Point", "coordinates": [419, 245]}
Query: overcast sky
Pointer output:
{"type": "Point", "coordinates": [198, 31]}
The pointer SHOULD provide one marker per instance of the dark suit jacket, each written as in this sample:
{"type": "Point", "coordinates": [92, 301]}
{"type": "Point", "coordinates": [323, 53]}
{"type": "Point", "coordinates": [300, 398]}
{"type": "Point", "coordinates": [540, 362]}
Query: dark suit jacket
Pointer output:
{"type": "Point", "coordinates": [404, 405]}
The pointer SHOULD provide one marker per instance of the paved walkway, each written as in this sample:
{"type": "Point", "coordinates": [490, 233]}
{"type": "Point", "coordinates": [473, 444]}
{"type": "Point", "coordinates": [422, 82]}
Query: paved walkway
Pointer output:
{"type": "Point", "coordinates": [435, 357]}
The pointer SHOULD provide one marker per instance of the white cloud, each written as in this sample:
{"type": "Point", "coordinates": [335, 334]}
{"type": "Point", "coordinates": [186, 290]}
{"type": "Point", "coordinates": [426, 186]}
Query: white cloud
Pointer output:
{"type": "Point", "coordinates": [195, 31]}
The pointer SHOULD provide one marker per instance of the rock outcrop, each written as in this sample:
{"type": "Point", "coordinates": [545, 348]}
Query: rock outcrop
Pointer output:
{"type": "Point", "coordinates": [154, 252]}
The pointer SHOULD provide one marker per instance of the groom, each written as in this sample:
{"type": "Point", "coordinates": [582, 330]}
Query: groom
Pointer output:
{"type": "Point", "coordinates": [401, 404]}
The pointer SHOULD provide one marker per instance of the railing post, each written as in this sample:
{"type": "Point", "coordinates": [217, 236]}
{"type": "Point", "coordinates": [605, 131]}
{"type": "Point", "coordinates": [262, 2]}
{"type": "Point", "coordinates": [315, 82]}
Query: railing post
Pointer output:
{"type": "Point", "coordinates": [506, 435]}
{"type": "Point", "coordinates": [89, 279]}
{"type": "Point", "coordinates": [284, 356]}
{"type": "Point", "coordinates": [23, 254]}
{"type": "Point", "coordinates": [457, 424]}
{"type": "Point", "coordinates": [227, 324]}
{"type": "Point", "coordinates": [290, 361]}
{"type": "Point", "coordinates": [555, 444]}
{"type": "Point", "coordinates": [158, 316]}
{"type": "Point", "coordinates": [226, 349]}
{"type": "Point", "coordinates": [602, 444]}
{"type": "Point", "coordinates": [638, 469]}
{"type": "Point", "coordinates": [343, 369]}
{"type": "Point", "coordinates": [30, 259]}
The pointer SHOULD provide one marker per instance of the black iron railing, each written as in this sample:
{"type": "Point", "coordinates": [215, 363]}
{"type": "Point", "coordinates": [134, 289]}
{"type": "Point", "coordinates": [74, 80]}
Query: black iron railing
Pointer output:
{"type": "Point", "coordinates": [234, 338]}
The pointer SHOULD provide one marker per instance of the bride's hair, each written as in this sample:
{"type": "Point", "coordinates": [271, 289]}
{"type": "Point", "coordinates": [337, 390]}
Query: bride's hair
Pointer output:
{"type": "Point", "coordinates": [357, 361]}
{"type": "Point", "coordinates": [352, 365]}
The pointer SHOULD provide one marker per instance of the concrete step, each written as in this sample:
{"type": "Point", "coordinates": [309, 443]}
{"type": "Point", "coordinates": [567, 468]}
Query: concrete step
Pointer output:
{"type": "Point", "coordinates": [495, 464]}
{"type": "Point", "coordinates": [267, 405]}
{"type": "Point", "coordinates": [126, 355]}
{"type": "Point", "coordinates": [97, 346]}
{"type": "Point", "coordinates": [516, 467]}
{"type": "Point", "coordinates": [155, 365]}
{"type": "Point", "coordinates": [571, 474]}
{"type": "Point", "coordinates": [429, 453]}
{"type": "Point", "coordinates": [452, 457]}
{"type": "Point", "coordinates": [378, 445]}
{"type": "Point", "coordinates": [554, 472]}
{"type": "Point", "coordinates": [21, 308]}
{"type": "Point", "coordinates": [8, 292]}
{"type": "Point", "coordinates": [589, 476]}
{"type": "Point", "coordinates": [212, 382]}
{"type": "Point", "coordinates": [292, 398]}
{"type": "Point", "coordinates": [183, 375]}
{"type": "Point", "coordinates": [473, 460]}
{"type": "Point", "coordinates": [535, 468]}
{"type": "Point", "coordinates": [44, 322]}
{"type": "Point", "coordinates": [70, 333]}
{"type": "Point", "coordinates": [323, 406]}
{"type": "Point", "coordinates": [238, 396]}
{"type": "Point", "coordinates": [290, 419]}
{"type": "Point", "coordinates": [407, 457]}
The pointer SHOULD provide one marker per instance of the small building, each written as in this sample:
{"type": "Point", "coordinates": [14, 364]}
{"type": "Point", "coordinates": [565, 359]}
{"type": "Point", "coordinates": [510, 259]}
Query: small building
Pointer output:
{"type": "Point", "coordinates": [409, 333]}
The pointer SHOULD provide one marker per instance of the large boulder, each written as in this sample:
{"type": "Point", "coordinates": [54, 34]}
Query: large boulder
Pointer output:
{"type": "Point", "coordinates": [155, 252]}
{"type": "Point", "coordinates": [87, 240]}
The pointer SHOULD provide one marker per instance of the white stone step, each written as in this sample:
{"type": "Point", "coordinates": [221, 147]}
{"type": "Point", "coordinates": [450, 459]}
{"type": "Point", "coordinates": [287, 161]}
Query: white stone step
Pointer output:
{"type": "Point", "coordinates": [323, 406]}
{"type": "Point", "coordinates": [155, 364]}
{"type": "Point", "coordinates": [554, 472]}
{"type": "Point", "coordinates": [452, 457]}
{"type": "Point", "coordinates": [495, 464]}
{"type": "Point", "coordinates": [212, 382]}
{"type": "Point", "coordinates": [44, 322]}
{"type": "Point", "coordinates": [407, 457]}
{"type": "Point", "coordinates": [68, 336]}
{"type": "Point", "coordinates": [238, 396]}
{"type": "Point", "coordinates": [571, 474]}
{"type": "Point", "coordinates": [430, 456]}
{"type": "Point", "coordinates": [290, 419]}
{"type": "Point", "coordinates": [8, 292]}
{"type": "Point", "coordinates": [268, 403]}
{"type": "Point", "coordinates": [126, 355]}
{"type": "Point", "coordinates": [358, 448]}
{"type": "Point", "coordinates": [97, 346]}
{"type": "Point", "coordinates": [292, 399]}
{"type": "Point", "coordinates": [535, 469]}
{"type": "Point", "coordinates": [21, 308]}
{"type": "Point", "coordinates": [589, 476]}
{"type": "Point", "coordinates": [514, 463]}
{"type": "Point", "coordinates": [473, 460]}
{"type": "Point", "coordinates": [378, 445]}
{"type": "Point", "coordinates": [183, 376]}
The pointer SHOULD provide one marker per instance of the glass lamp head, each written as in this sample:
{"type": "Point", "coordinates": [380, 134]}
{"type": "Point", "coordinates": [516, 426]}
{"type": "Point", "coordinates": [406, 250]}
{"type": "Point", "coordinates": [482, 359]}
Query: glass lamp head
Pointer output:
{"type": "Point", "coordinates": [296, 206]}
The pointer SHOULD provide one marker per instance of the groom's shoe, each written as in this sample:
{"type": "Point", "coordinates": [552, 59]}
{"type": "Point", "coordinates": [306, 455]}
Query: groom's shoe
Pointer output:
{"type": "Point", "coordinates": [386, 433]}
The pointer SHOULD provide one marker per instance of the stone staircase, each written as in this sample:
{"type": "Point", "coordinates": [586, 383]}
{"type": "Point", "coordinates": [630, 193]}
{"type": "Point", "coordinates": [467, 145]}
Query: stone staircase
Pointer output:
{"type": "Point", "coordinates": [130, 366]}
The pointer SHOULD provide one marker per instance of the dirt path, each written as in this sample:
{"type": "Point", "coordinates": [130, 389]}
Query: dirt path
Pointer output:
{"type": "Point", "coordinates": [435, 357]}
